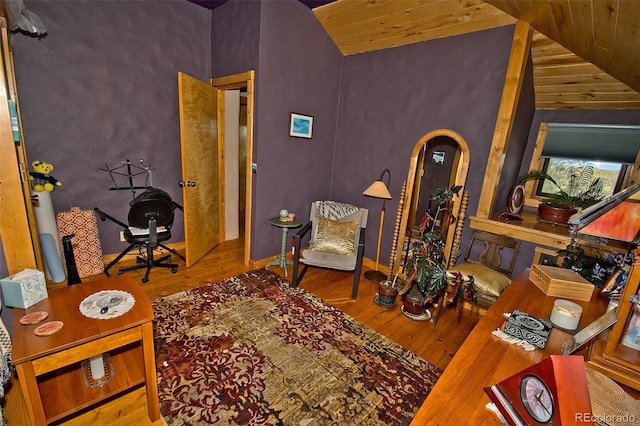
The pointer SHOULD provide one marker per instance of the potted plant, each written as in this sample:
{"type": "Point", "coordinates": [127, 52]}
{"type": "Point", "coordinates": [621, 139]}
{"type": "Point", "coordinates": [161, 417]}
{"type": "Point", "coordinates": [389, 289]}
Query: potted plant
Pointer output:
{"type": "Point", "coordinates": [579, 189]}
{"type": "Point", "coordinates": [593, 264]}
{"type": "Point", "coordinates": [424, 267]}
{"type": "Point", "coordinates": [387, 293]}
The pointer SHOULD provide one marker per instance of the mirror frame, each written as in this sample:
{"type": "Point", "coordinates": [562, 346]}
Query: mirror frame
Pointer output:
{"type": "Point", "coordinates": [458, 177]}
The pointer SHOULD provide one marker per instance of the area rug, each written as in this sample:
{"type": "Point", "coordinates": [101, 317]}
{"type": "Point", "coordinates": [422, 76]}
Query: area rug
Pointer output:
{"type": "Point", "coordinates": [252, 350]}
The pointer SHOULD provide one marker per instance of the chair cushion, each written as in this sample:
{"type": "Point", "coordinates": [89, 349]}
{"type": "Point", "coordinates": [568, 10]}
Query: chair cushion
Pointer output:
{"type": "Point", "coordinates": [328, 260]}
{"type": "Point", "coordinates": [487, 281]}
{"type": "Point", "coordinates": [335, 237]}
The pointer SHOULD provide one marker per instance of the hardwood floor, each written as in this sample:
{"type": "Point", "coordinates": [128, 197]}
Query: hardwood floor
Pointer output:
{"type": "Point", "coordinates": [436, 344]}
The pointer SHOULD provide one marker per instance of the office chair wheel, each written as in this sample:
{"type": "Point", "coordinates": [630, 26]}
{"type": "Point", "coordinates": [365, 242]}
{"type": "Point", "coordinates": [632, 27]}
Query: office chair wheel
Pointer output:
{"type": "Point", "coordinates": [145, 279]}
{"type": "Point", "coordinates": [174, 270]}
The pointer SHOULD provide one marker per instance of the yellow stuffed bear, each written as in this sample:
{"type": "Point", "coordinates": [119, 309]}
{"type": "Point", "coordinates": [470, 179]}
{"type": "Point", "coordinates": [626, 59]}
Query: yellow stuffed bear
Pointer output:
{"type": "Point", "coordinates": [40, 179]}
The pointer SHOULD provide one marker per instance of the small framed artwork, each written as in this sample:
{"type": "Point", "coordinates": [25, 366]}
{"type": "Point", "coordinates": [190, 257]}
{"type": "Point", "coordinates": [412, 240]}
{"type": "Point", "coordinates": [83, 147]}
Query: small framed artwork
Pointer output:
{"type": "Point", "coordinates": [301, 126]}
{"type": "Point", "coordinates": [437, 157]}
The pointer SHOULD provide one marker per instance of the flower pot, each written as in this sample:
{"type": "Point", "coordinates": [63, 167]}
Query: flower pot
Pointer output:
{"type": "Point", "coordinates": [414, 304]}
{"type": "Point", "coordinates": [387, 294]}
{"type": "Point", "coordinates": [554, 214]}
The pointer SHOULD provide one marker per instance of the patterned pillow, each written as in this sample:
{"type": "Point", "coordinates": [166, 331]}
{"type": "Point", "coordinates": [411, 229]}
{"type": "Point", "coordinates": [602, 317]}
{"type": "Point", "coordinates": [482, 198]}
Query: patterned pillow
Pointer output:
{"type": "Point", "coordinates": [335, 237]}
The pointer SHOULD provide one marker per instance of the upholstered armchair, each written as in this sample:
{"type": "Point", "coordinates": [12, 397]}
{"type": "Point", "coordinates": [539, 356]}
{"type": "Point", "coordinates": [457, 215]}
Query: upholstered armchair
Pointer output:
{"type": "Point", "coordinates": [336, 240]}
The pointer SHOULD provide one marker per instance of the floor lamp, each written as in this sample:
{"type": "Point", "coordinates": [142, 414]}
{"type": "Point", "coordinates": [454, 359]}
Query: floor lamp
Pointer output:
{"type": "Point", "coordinates": [378, 190]}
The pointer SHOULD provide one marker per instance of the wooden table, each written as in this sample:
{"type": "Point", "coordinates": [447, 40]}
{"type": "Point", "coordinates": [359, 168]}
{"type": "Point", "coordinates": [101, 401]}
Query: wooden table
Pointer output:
{"type": "Point", "coordinates": [484, 360]}
{"type": "Point", "coordinates": [49, 368]}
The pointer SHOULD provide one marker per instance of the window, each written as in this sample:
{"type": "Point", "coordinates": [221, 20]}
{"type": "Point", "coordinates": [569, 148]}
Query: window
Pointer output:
{"type": "Point", "coordinates": [611, 174]}
{"type": "Point", "coordinates": [610, 150]}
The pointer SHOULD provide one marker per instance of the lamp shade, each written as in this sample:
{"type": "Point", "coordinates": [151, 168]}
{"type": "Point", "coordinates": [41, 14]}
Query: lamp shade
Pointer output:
{"type": "Point", "coordinates": [377, 190]}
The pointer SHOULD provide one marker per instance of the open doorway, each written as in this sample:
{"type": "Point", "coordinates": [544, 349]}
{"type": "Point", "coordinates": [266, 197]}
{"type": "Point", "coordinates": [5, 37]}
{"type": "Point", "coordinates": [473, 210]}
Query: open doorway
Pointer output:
{"type": "Point", "coordinates": [235, 162]}
{"type": "Point", "coordinates": [236, 112]}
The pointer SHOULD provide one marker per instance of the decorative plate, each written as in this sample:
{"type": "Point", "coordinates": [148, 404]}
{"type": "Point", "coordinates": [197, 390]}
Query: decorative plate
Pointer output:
{"type": "Point", "coordinates": [515, 199]}
{"type": "Point", "coordinates": [34, 318]}
{"type": "Point", "coordinates": [107, 304]}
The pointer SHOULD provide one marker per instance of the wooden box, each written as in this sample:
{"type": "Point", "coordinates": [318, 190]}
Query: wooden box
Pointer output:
{"type": "Point", "coordinates": [561, 282]}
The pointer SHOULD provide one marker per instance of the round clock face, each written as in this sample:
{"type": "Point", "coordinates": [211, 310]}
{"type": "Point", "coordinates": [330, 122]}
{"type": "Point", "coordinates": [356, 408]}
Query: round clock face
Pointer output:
{"type": "Point", "coordinates": [536, 398]}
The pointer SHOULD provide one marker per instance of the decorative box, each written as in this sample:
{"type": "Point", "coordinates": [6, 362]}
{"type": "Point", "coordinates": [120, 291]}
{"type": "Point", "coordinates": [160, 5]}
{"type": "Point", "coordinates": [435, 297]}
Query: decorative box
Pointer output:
{"type": "Point", "coordinates": [561, 282]}
{"type": "Point", "coordinates": [24, 289]}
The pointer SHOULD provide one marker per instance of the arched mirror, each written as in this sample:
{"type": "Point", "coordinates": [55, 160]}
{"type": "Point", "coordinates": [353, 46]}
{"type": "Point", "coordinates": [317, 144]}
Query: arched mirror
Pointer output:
{"type": "Point", "coordinates": [440, 159]}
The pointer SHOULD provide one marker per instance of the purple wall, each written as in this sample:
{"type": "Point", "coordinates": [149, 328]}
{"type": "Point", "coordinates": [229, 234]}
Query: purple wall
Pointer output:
{"type": "Point", "coordinates": [299, 72]}
{"type": "Point", "coordinates": [101, 87]}
{"type": "Point", "coordinates": [517, 141]}
{"type": "Point", "coordinates": [235, 37]}
{"type": "Point", "coordinates": [391, 98]}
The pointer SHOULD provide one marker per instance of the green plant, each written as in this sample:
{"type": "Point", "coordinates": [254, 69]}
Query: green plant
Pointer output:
{"type": "Point", "coordinates": [425, 259]}
{"type": "Point", "coordinates": [592, 264]}
{"type": "Point", "coordinates": [579, 190]}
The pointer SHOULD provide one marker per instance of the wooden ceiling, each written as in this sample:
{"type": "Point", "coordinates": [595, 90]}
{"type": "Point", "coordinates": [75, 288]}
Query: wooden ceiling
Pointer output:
{"type": "Point", "coordinates": [586, 53]}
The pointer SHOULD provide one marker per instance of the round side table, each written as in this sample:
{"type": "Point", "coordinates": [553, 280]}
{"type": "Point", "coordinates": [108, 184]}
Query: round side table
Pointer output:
{"type": "Point", "coordinates": [282, 259]}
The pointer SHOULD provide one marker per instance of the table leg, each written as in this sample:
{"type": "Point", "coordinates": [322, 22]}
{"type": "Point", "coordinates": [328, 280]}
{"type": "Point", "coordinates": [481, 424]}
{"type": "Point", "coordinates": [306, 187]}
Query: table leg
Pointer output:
{"type": "Point", "coordinates": [148, 353]}
{"type": "Point", "coordinates": [282, 260]}
{"type": "Point", "coordinates": [31, 393]}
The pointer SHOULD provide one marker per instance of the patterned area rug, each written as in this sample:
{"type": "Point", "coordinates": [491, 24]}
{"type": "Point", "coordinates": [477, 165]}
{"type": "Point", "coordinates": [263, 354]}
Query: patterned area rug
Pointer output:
{"type": "Point", "coordinates": [252, 350]}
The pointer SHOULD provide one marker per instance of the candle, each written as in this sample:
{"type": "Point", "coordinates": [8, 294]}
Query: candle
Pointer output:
{"type": "Point", "coordinates": [97, 367]}
{"type": "Point", "coordinates": [566, 314]}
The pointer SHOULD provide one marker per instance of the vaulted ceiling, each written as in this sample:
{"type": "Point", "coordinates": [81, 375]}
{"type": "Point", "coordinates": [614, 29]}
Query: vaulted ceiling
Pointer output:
{"type": "Point", "coordinates": [586, 53]}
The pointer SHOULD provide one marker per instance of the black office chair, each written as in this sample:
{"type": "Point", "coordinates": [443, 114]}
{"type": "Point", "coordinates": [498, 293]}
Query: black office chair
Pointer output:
{"type": "Point", "coordinates": [150, 219]}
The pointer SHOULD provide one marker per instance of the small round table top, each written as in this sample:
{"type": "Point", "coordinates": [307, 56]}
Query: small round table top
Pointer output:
{"type": "Point", "coordinates": [275, 221]}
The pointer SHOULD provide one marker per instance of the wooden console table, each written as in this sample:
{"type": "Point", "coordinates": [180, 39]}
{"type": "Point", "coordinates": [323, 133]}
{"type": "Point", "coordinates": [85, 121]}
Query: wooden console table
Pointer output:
{"type": "Point", "coordinates": [49, 367]}
{"type": "Point", "coordinates": [484, 360]}
{"type": "Point", "coordinates": [531, 230]}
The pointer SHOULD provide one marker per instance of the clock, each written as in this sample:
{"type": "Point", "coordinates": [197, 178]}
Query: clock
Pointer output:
{"type": "Point", "coordinates": [536, 398]}
{"type": "Point", "coordinates": [551, 392]}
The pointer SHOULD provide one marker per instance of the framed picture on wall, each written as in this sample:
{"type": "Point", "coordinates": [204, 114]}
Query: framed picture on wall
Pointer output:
{"type": "Point", "coordinates": [301, 126]}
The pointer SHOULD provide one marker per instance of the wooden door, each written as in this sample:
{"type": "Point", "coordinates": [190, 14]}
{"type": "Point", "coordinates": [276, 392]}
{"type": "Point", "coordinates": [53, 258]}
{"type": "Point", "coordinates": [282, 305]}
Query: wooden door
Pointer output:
{"type": "Point", "coordinates": [201, 166]}
{"type": "Point", "coordinates": [18, 230]}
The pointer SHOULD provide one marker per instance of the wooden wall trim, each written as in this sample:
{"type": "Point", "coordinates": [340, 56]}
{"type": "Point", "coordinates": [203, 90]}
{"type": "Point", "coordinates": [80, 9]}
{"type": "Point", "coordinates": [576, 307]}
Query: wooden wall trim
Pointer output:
{"type": "Point", "coordinates": [516, 68]}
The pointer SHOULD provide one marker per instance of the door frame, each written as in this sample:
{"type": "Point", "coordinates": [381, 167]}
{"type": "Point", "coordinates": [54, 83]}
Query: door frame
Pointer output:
{"type": "Point", "coordinates": [237, 81]}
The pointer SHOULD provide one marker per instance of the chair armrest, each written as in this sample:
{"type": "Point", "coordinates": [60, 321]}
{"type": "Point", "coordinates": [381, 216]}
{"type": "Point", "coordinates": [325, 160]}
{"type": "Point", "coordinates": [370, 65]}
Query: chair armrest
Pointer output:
{"type": "Point", "coordinates": [361, 238]}
{"type": "Point", "coordinates": [297, 238]}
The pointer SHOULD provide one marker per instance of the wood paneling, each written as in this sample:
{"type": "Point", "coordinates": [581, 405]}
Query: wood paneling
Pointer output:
{"type": "Point", "coordinates": [586, 54]}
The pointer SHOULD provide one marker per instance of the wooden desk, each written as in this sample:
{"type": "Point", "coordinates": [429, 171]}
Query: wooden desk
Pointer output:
{"type": "Point", "coordinates": [483, 359]}
{"type": "Point", "coordinates": [49, 367]}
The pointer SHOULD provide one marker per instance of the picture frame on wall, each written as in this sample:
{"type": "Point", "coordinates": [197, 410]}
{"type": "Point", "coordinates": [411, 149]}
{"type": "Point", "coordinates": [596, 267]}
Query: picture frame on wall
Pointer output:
{"type": "Point", "coordinates": [301, 126]}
